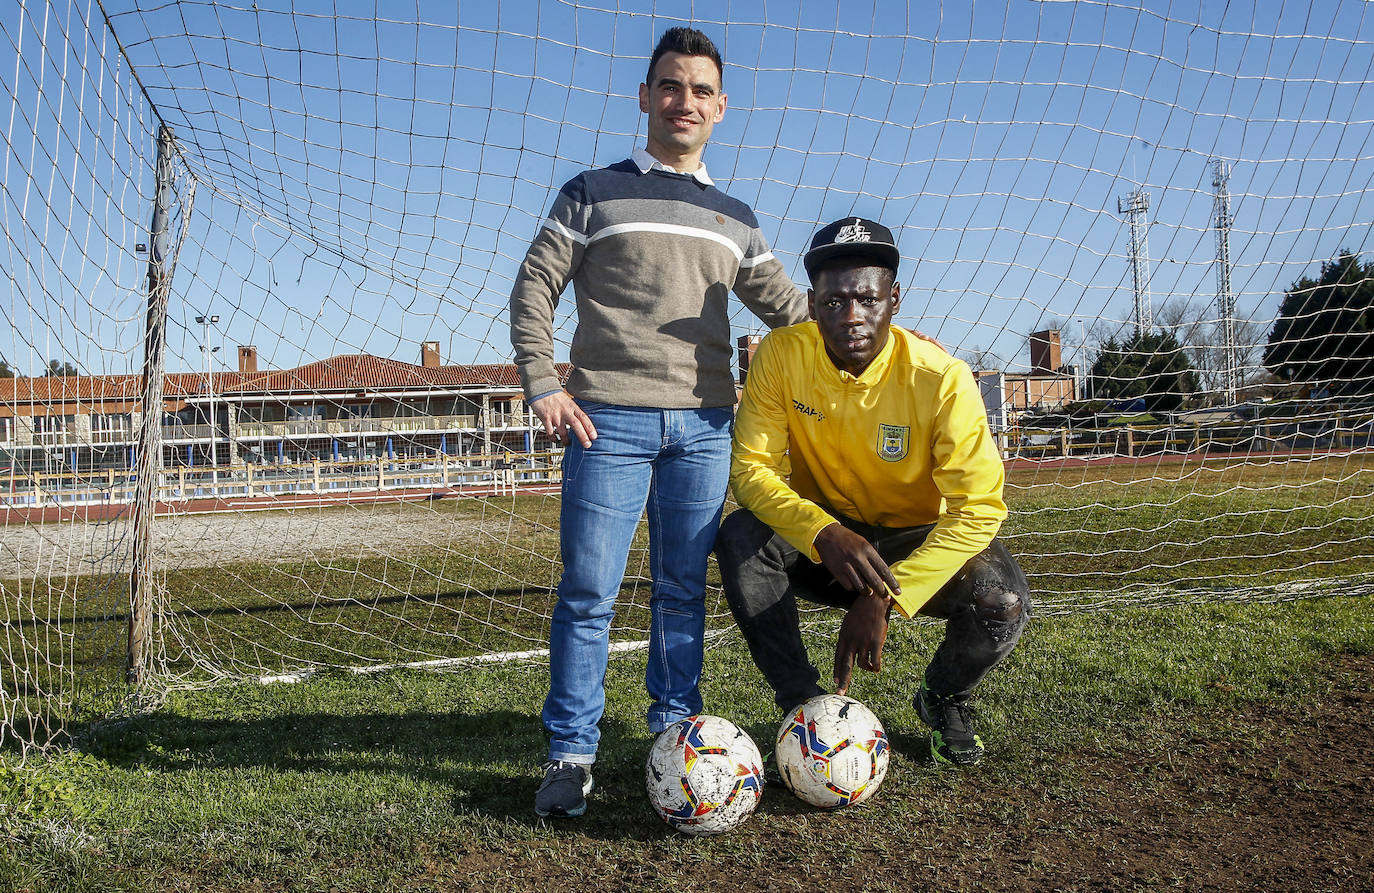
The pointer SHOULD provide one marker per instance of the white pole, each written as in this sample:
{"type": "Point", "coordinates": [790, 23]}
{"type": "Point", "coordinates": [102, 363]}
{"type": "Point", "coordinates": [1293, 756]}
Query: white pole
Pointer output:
{"type": "Point", "coordinates": [149, 444]}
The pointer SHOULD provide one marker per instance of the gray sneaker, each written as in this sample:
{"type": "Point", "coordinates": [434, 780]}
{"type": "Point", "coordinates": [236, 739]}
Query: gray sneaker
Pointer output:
{"type": "Point", "coordinates": [563, 792]}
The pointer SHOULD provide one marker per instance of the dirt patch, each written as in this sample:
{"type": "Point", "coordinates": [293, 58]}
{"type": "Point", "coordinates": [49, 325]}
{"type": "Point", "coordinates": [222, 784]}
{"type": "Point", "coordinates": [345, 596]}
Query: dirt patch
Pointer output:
{"type": "Point", "coordinates": [1273, 797]}
{"type": "Point", "coordinates": [211, 539]}
{"type": "Point", "coordinates": [1281, 801]}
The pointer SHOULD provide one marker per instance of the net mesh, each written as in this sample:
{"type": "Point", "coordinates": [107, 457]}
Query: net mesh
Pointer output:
{"type": "Point", "coordinates": [1143, 226]}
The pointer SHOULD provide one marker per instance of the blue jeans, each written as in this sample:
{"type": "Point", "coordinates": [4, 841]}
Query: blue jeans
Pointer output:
{"type": "Point", "coordinates": [675, 463]}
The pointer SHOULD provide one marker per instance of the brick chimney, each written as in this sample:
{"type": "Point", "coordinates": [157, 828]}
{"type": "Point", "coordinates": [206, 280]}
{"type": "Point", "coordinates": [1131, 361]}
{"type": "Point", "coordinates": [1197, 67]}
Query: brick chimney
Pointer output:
{"type": "Point", "coordinates": [1044, 351]}
{"type": "Point", "coordinates": [429, 354]}
{"type": "Point", "coordinates": [248, 358]}
{"type": "Point", "coordinates": [747, 345]}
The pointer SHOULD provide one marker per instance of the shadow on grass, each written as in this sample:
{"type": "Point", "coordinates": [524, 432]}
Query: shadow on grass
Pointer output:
{"type": "Point", "coordinates": [469, 754]}
{"type": "Point", "coordinates": [477, 756]}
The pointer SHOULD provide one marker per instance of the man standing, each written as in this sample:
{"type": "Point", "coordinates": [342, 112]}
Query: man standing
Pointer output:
{"type": "Point", "coordinates": [652, 250]}
{"type": "Point", "coordinates": [868, 480]}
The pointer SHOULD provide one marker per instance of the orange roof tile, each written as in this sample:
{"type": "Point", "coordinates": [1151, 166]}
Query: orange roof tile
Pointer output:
{"type": "Point", "coordinates": [345, 372]}
{"type": "Point", "coordinates": [364, 371]}
{"type": "Point", "coordinates": [67, 389]}
{"type": "Point", "coordinates": [94, 388]}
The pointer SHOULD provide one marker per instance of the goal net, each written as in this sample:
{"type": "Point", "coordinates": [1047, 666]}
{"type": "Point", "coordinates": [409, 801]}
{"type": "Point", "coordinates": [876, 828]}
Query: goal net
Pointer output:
{"type": "Point", "coordinates": [258, 416]}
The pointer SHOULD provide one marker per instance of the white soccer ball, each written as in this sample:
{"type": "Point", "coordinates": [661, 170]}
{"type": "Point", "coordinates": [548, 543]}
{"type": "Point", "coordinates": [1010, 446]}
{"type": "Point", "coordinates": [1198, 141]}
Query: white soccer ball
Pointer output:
{"type": "Point", "coordinates": [704, 775]}
{"type": "Point", "coordinates": [832, 751]}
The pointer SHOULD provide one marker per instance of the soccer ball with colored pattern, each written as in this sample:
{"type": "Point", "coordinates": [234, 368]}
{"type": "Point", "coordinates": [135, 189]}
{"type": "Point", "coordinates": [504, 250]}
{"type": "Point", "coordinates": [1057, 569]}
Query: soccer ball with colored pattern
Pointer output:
{"type": "Point", "coordinates": [704, 775]}
{"type": "Point", "coordinates": [832, 751]}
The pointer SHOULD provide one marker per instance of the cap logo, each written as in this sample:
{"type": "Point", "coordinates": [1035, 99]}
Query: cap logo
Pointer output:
{"type": "Point", "coordinates": [853, 232]}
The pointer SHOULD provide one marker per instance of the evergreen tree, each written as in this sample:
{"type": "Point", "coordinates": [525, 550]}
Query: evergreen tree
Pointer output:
{"type": "Point", "coordinates": [63, 368]}
{"type": "Point", "coordinates": [1324, 335]}
{"type": "Point", "coordinates": [1151, 366]}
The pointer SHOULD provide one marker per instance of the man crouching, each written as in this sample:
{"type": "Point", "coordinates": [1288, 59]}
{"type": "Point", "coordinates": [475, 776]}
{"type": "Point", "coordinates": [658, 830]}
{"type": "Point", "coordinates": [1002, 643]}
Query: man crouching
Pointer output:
{"type": "Point", "coordinates": [868, 480]}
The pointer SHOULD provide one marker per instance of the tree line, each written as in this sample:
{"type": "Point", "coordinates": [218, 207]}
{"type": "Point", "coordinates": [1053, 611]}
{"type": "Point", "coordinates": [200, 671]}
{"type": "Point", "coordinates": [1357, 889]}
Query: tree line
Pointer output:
{"type": "Point", "coordinates": [1322, 339]}
{"type": "Point", "coordinates": [54, 369]}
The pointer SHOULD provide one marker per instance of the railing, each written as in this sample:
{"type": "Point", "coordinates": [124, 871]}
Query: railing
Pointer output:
{"type": "Point", "coordinates": [506, 472]}
{"type": "Point", "coordinates": [380, 426]}
{"type": "Point", "coordinates": [511, 419]}
{"type": "Point", "coordinates": [112, 435]}
{"type": "Point", "coordinates": [479, 474]}
{"type": "Point", "coordinates": [1087, 438]}
{"type": "Point", "coordinates": [105, 436]}
{"type": "Point", "coordinates": [57, 438]}
{"type": "Point", "coordinates": [186, 432]}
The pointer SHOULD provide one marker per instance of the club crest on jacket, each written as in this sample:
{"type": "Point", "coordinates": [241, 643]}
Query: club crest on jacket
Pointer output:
{"type": "Point", "coordinates": [892, 441]}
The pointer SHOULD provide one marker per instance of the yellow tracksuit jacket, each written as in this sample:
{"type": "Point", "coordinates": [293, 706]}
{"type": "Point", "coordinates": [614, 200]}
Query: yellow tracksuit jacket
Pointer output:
{"type": "Point", "coordinates": [905, 443]}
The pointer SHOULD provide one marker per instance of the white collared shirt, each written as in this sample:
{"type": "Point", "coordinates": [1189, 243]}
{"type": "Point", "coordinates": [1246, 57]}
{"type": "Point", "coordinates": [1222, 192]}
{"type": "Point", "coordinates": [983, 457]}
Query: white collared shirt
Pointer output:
{"type": "Point", "coordinates": [646, 162]}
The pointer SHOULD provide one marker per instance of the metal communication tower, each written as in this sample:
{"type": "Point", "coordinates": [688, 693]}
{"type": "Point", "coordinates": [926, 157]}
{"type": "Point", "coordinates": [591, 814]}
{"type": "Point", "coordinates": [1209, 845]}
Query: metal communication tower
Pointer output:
{"type": "Point", "coordinates": [1226, 301]}
{"type": "Point", "coordinates": [1135, 205]}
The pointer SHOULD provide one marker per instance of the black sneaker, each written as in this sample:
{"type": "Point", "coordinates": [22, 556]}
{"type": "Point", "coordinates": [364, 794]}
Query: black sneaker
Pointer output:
{"type": "Point", "coordinates": [772, 775]}
{"type": "Point", "coordinates": [563, 792]}
{"type": "Point", "coordinates": [952, 739]}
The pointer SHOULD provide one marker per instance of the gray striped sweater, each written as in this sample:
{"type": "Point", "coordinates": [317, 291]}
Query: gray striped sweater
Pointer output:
{"type": "Point", "coordinates": [652, 258]}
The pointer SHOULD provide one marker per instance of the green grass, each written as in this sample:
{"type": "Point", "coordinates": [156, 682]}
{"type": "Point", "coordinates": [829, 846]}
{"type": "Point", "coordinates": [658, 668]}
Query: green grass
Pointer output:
{"type": "Point", "coordinates": [1099, 535]}
{"type": "Point", "coordinates": [1214, 524]}
{"type": "Point", "coordinates": [413, 780]}
{"type": "Point", "coordinates": [361, 783]}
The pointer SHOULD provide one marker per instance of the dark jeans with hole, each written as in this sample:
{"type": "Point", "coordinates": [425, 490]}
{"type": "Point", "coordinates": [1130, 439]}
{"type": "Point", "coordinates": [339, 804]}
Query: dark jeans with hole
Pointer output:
{"type": "Point", "coordinates": [985, 605]}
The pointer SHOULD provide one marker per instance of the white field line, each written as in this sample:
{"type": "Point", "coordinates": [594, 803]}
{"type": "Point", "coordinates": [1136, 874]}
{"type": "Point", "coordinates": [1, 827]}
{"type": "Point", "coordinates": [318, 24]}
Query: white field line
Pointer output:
{"type": "Point", "coordinates": [443, 662]}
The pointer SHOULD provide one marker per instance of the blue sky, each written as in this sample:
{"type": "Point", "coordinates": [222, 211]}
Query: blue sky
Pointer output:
{"type": "Point", "coordinates": [369, 174]}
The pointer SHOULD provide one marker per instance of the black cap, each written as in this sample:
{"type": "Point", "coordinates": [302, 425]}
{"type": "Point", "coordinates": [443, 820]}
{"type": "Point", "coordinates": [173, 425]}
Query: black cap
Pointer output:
{"type": "Point", "coordinates": [853, 236]}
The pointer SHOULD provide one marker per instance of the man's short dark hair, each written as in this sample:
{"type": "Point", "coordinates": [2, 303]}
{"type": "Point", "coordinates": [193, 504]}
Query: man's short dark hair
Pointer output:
{"type": "Point", "coordinates": [688, 42]}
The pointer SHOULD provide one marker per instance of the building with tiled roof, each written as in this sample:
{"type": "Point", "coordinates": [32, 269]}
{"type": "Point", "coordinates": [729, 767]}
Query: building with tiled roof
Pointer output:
{"type": "Point", "coordinates": [353, 371]}
{"type": "Point", "coordinates": [348, 407]}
